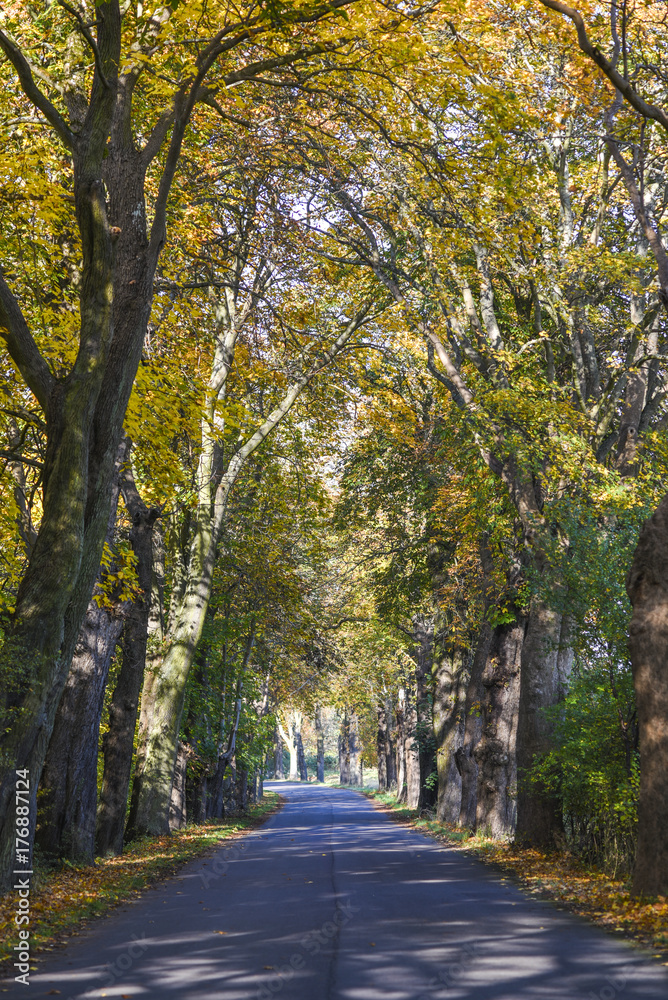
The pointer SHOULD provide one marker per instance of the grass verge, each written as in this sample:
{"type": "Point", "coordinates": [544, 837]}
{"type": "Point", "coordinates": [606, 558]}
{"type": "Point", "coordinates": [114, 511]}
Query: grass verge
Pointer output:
{"type": "Point", "coordinates": [64, 899]}
{"type": "Point", "coordinates": [557, 876]}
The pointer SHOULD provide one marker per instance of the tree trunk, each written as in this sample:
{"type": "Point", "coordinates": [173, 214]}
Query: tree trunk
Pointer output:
{"type": "Point", "coordinates": [496, 811]}
{"type": "Point", "coordinates": [464, 755]}
{"type": "Point", "coordinates": [354, 750]}
{"type": "Point", "coordinates": [400, 715]}
{"type": "Point", "coordinates": [450, 675]}
{"type": "Point", "coordinates": [278, 758]}
{"type": "Point", "coordinates": [647, 587]}
{"type": "Point", "coordinates": [177, 804]}
{"type": "Point", "coordinates": [545, 667]}
{"type": "Point", "coordinates": [68, 789]}
{"type": "Point", "coordinates": [301, 757]}
{"type": "Point", "coordinates": [118, 741]}
{"type": "Point", "coordinates": [382, 749]}
{"type": "Point", "coordinates": [424, 658]}
{"type": "Point", "coordinates": [320, 744]}
{"type": "Point", "coordinates": [344, 750]}
{"type": "Point", "coordinates": [411, 746]}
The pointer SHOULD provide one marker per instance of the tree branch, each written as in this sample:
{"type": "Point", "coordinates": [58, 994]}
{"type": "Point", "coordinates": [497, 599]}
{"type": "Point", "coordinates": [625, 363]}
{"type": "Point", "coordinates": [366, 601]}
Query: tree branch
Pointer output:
{"type": "Point", "coordinates": [625, 88]}
{"type": "Point", "coordinates": [92, 44]}
{"type": "Point", "coordinates": [22, 348]}
{"type": "Point", "coordinates": [33, 93]}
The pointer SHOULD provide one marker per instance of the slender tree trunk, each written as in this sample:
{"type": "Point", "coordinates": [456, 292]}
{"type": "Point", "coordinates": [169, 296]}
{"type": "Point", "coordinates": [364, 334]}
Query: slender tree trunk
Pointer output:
{"type": "Point", "coordinates": [495, 754]}
{"type": "Point", "coordinates": [177, 805]}
{"type": "Point", "coordinates": [390, 747]}
{"type": "Point", "coordinates": [647, 587]}
{"type": "Point", "coordinates": [301, 758]}
{"type": "Point", "coordinates": [354, 750]}
{"type": "Point", "coordinates": [344, 749]}
{"type": "Point", "coordinates": [278, 758]}
{"type": "Point", "coordinates": [382, 749]}
{"type": "Point", "coordinates": [411, 746]}
{"type": "Point", "coordinates": [424, 634]}
{"type": "Point", "coordinates": [320, 744]}
{"type": "Point", "coordinates": [400, 714]}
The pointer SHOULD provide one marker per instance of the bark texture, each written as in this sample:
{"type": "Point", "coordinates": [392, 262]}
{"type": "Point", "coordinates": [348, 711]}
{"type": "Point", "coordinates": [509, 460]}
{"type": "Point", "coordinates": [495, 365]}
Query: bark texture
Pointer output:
{"type": "Point", "coordinates": [118, 741]}
{"type": "Point", "coordinates": [495, 754]}
{"type": "Point", "coordinates": [449, 682]}
{"type": "Point", "coordinates": [545, 668]}
{"type": "Point", "coordinates": [647, 587]}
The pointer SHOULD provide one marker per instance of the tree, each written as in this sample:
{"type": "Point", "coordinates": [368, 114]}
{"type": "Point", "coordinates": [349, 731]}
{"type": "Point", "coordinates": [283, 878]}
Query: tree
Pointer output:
{"type": "Point", "coordinates": [123, 131]}
{"type": "Point", "coordinates": [638, 81]}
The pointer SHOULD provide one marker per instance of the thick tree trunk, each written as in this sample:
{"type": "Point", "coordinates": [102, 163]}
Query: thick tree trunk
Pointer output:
{"type": "Point", "coordinates": [320, 744]}
{"type": "Point", "coordinates": [450, 676]}
{"type": "Point", "coordinates": [647, 587]}
{"type": "Point", "coordinates": [545, 668]}
{"type": "Point", "coordinates": [118, 741]}
{"type": "Point", "coordinates": [464, 755]}
{"type": "Point", "coordinates": [68, 789]}
{"type": "Point", "coordinates": [496, 810]}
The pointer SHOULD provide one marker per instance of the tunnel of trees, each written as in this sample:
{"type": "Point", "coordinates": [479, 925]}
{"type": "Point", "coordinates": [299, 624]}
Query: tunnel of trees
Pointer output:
{"type": "Point", "coordinates": [333, 415]}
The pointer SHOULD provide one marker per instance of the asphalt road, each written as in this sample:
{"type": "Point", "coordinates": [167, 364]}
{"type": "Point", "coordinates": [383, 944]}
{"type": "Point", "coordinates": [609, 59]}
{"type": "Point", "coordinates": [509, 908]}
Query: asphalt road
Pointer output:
{"type": "Point", "coordinates": [330, 900]}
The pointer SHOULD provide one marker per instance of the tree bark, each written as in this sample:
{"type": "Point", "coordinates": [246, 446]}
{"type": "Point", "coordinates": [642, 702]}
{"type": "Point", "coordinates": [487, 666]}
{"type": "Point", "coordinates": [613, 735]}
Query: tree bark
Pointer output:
{"type": "Point", "coordinates": [647, 587]}
{"type": "Point", "coordinates": [495, 754]}
{"type": "Point", "coordinates": [450, 675]}
{"type": "Point", "coordinates": [177, 805]}
{"type": "Point", "coordinates": [320, 744]}
{"type": "Point", "coordinates": [68, 792]}
{"type": "Point", "coordinates": [545, 667]}
{"type": "Point", "coordinates": [118, 741]}
{"type": "Point", "coordinates": [344, 749]}
{"type": "Point", "coordinates": [464, 755]}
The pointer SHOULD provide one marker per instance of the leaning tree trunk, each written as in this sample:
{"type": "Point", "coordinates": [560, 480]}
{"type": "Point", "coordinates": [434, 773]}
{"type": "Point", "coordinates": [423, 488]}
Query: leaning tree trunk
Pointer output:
{"type": "Point", "coordinates": [496, 810]}
{"type": "Point", "coordinates": [545, 668]}
{"type": "Point", "coordinates": [647, 587]}
{"type": "Point", "coordinates": [118, 741]}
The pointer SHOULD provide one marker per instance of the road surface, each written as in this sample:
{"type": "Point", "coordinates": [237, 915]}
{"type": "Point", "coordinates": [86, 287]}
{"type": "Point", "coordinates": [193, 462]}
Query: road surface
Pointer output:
{"type": "Point", "coordinates": [330, 900]}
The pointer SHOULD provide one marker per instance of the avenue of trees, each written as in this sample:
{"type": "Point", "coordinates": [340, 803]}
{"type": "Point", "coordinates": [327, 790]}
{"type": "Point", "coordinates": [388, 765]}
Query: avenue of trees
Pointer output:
{"type": "Point", "coordinates": [333, 393]}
